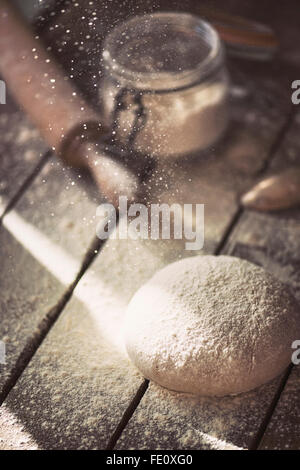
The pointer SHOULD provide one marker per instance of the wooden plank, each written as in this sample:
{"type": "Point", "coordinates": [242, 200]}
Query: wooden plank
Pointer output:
{"type": "Point", "coordinates": [28, 292]}
{"type": "Point", "coordinates": [61, 204]}
{"type": "Point", "coordinates": [215, 178]}
{"type": "Point", "coordinates": [82, 380]}
{"type": "Point", "coordinates": [83, 383]}
{"type": "Point", "coordinates": [21, 150]}
{"type": "Point", "coordinates": [180, 422]}
{"type": "Point", "coordinates": [169, 420]}
{"type": "Point", "coordinates": [289, 151]}
{"type": "Point", "coordinates": [175, 421]}
{"type": "Point", "coordinates": [47, 236]}
{"type": "Point", "coordinates": [283, 430]}
{"type": "Point", "coordinates": [12, 434]}
{"type": "Point", "coordinates": [43, 243]}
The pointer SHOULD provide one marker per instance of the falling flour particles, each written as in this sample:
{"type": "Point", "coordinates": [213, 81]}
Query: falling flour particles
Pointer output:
{"type": "Point", "coordinates": [211, 325]}
{"type": "Point", "coordinates": [172, 68]}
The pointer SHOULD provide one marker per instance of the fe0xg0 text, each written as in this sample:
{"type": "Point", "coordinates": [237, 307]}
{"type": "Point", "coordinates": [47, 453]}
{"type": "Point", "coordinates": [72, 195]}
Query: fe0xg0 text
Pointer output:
{"type": "Point", "coordinates": [150, 459]}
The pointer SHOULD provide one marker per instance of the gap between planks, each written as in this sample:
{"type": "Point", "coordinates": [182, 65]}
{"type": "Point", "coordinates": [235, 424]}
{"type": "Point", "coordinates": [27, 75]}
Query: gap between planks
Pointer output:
{"type": "Point", "coordinates": [221, 246]}
{"type": "Point", "coordinates": [27, 183]}
{"type": "Point", "coordinates": [275, 146]}
{"type": "Point", "coordinates": [128, 414]}
{"type": "Point", "coordinates": [96, 246]}
{"type": "Point", "coordinates": [47, 323]}
{"type": "Point", "coordinates": [264, 424]}
{"type": "Point", "coordinates": [52, 316]}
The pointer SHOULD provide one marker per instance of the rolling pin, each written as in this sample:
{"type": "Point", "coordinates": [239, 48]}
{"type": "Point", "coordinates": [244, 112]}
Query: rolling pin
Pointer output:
{"type": "Point", "coordinates": [65, 120]}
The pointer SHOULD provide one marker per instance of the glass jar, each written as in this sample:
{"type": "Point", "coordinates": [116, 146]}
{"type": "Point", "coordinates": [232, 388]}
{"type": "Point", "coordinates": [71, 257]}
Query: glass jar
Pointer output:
{"type": "Point", "coordinates": [165, 90]}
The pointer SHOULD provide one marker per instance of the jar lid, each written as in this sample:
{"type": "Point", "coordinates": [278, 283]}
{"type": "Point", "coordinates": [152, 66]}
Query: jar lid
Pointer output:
{"type": "Point", "coordinates": [162, 51]}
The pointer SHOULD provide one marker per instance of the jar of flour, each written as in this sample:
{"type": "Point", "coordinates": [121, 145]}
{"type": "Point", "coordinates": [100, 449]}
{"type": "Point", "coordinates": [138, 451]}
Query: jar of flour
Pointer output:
{"type": "Point", "coordinates": [165, 90]}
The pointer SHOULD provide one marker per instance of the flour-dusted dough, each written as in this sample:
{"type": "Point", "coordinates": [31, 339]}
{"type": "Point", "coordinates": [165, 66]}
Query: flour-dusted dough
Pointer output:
{"type": "Point", "coordinates": [211, 325]}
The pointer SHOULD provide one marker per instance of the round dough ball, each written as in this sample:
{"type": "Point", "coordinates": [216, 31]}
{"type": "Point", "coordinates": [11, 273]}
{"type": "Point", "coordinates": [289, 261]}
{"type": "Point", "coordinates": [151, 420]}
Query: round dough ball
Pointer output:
{"type": "Point", "coordinates": [211, 325]}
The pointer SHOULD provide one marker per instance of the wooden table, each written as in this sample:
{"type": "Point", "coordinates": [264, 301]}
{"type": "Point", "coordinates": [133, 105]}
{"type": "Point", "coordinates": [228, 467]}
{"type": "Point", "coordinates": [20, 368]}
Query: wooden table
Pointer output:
{"type": "Point", "coordinates": [66, 383]}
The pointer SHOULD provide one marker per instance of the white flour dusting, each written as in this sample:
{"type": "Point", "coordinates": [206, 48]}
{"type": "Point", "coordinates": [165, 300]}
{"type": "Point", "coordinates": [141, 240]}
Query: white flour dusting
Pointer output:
{"type": "Point", "coordinates": [211, 326]}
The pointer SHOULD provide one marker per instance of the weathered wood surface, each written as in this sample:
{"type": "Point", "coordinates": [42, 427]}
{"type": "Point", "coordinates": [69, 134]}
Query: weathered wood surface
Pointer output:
{"type": "Point", "coordinates": [61, 205]}
{"type": "Point", "coordinates": [283, 430]}
{"type": "Point", "coordinates": [81, 351]}
{"type": "Point", "coordinates": [82, 381]}
{"type": "Point", "coordinates": [21, 151]}
{"type": "Point", "coordinates": [179, 422]}
{"type": "Point", "coordinates": [288, 154]}
{"type": "Point", "coordinates": [272, 241]}
{"type": "Point", "coordinates": [12, 433]}
{"type": "Point", "coordinates": [44, 240]}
